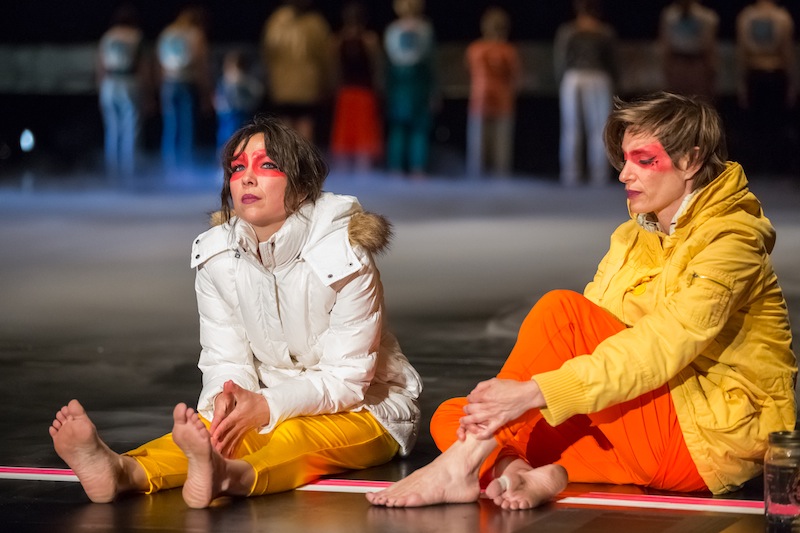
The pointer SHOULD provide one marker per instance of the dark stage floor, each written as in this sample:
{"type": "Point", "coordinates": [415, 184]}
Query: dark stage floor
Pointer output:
{"type": "Point", "coordinates": [97, 303]}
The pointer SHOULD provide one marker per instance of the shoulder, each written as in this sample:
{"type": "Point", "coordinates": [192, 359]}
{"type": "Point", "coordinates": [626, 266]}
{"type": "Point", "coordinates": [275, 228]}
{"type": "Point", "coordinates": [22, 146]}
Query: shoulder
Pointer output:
{"type": "Point", "coordinates": [343, 236]}
{"type": "Point", "coordinates": [627, 229]}
{"type": "Point", "coordinates": [344, 213]}
{"type": "Point", "coordinates": [708, 14]}
{"type": "Point", "coordinates": [210, 243]}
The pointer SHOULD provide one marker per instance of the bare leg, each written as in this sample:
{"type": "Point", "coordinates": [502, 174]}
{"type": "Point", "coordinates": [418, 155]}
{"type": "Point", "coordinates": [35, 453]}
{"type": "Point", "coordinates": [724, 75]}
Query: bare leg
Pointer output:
{"type": "Point", "coordinates": [210, 475]}
{"type": "Point", "coordinates": [525, 487]}
{"type": "Point", "coordinates": [450, 478]}
{"type": "Point", "coordinates": [102, 472]}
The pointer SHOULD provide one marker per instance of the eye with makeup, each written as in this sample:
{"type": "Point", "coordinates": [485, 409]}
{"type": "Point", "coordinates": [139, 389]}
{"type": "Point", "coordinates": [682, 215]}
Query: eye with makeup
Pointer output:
{"type": "Point", "coordinates": [239, 163]}
{"type": "Point", "coordinates": [647, 162]}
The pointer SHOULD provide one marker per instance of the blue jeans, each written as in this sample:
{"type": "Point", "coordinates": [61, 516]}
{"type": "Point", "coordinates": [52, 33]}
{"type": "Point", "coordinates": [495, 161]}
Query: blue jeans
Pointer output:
{"type": "Point", "coordinates": [177, 110]}
{"type": "Point", "coordinates": [119, 106]}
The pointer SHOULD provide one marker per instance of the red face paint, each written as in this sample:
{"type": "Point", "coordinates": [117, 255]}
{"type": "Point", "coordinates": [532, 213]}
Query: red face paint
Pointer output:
{"type": "Point", "coordinates": [262, 165]}
{"type": "Point", "coordinates": [652, 157]}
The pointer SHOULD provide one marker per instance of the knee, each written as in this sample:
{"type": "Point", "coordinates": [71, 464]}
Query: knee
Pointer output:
{"type": "Point", "coordinates": [555, 305]}
{"type": "Point", "coordinates": [557, 300]}
{"type": "Point", "coordinates": [445, 422]}
{"type": "Point", "coordinates": [559, 297]}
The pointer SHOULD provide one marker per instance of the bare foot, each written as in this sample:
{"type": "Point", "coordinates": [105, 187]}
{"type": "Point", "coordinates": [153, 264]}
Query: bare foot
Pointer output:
{"type": "Point", "coordinates": [523, 487]}
{"type": "Point", "coordinates": [206, 466]}
{"type": "Point", "coordinates": [451, 478]}
{"type": "Point", "coordinates": [99, 469]}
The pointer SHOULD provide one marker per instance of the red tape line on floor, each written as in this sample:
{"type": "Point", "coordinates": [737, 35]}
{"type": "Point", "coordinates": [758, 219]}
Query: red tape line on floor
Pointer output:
{"type": "Point", "coordinates": [682, 503]}
{"type": "Point", "coordinates": [604, 499]}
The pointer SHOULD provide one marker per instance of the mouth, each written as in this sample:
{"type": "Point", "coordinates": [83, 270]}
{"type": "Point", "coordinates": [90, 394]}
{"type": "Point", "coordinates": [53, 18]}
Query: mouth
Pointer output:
{"type": "Point", "coordinates": [249, 198]}
{"type": "Point", "coordinates": [632, 194]}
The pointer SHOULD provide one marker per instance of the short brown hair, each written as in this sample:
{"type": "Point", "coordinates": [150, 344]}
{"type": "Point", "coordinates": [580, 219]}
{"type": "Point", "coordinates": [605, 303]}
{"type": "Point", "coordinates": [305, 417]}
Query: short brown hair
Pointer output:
{"type": "Point", "coordinates": [295, 156]}
{"type": "Point", "coordinates": [680, 123]}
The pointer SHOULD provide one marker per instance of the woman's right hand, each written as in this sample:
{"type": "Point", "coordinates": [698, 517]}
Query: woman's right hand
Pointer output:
{"type": "Point", "coordinates": [496, 402]}
{"type": "Point", "coordinates": [240, 411]}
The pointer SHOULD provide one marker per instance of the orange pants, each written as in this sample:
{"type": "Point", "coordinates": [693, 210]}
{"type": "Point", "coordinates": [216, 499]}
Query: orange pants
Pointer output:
{"type": "Point", "coordinates": [635, 442]}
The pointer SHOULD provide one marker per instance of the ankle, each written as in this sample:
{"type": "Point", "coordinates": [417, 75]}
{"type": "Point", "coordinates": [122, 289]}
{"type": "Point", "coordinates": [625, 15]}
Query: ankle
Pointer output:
{"type": "Point", "coordinates": [238, 477]}
{"type": "Point", "coordinates": [472, 452]}
{"type": "Point", "coordinates": [132, 475]}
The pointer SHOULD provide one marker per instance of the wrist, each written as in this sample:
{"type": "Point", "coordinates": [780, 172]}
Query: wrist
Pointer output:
{"type": "Point", "coordinates": [536, 398]}
{"type": "Point", "coordinates": [266, 415]}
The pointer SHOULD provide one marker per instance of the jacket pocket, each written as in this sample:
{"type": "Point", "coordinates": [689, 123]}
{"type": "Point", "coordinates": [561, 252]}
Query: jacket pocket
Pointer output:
{"type": "Point", "coordinates": [714, 290]}
{"type": "Point", "coordinates": [724, 406]}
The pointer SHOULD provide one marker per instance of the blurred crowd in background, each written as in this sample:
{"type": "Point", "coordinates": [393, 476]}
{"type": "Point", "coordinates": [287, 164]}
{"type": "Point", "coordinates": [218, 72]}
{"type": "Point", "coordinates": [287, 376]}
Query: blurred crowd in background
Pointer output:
{"type": "Point", "coordinates": [372, 98]}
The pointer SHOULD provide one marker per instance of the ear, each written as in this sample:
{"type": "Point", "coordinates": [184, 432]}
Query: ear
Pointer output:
{"type": "Point", "coordinates": [689, 167]}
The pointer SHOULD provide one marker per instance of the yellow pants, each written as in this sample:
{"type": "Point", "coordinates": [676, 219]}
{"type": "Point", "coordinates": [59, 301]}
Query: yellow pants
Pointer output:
{"type": "Point", "coordinates": [297, 452]}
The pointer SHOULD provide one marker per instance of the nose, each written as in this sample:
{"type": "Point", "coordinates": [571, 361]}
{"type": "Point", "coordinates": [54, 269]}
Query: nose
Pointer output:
{"type": "Point", "coordinates": [626, 173]}
{"type": "Point", "coordinates": [248, 177]}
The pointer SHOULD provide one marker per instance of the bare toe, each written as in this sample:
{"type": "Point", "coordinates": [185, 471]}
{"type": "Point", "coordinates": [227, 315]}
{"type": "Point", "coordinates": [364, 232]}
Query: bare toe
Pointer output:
{"type": "Point", "coordinates": [76, 441]}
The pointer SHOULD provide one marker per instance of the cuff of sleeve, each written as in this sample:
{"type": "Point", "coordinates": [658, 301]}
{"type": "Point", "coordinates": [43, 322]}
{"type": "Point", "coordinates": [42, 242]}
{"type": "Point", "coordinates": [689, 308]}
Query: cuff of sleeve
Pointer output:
{"type": "Point", "coordinates": [205, 404]}
{"type": "Point", "coordinates": [563, 395]}
{"type": "Point", "coordinates": [275, 414]}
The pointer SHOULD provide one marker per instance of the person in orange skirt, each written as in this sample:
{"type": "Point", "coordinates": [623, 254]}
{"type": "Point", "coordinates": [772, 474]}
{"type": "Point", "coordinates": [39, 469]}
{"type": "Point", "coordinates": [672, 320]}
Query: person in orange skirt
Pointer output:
{"type": "Point", "coordinates": [357, 134]}
{"type": "Point", "coordinates": [669, 371]}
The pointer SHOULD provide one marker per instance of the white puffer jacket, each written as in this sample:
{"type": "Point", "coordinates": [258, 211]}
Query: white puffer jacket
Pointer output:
{"type": "Point", "coordinates": [303, 324]}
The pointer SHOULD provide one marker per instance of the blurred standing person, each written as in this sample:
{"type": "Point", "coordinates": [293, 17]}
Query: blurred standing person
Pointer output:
{"type": "Point", "coordinates": [237, 95]}
{"type": "Point", "coordinates": [122, 78]}
{"type": "Point", "coordinates": [357, 133]}
{"type": "Point", "coordinates": [766, 78]}
{"type": "Point", "coordinates": [494, 69]}
{"type": "Point", "coordinates": [409, 43]}
{"type": "Point", "coordinates": [183, 54]}
{"type": "Point", "coordinates": [585, 65]}
{"type": "Point", "coordinates": [296, 51]}
{"type": "Point", "coordinates": [688, 39]}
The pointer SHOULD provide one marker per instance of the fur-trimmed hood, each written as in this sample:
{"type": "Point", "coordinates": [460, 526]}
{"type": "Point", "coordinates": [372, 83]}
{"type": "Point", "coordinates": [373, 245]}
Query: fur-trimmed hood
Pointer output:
{"type": "Point", "coordinates": [371, 231]}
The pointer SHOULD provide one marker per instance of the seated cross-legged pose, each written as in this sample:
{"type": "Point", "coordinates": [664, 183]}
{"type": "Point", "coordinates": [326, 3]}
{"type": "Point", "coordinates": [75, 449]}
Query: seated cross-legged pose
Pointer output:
{"type": "Point", "coordinates": [672, 368]}
{"type": "Point", "coordinates": [301, 378]}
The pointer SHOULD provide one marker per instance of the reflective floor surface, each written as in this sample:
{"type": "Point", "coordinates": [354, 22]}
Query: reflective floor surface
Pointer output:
{"type": "Point", "coordinates": [97, 303]}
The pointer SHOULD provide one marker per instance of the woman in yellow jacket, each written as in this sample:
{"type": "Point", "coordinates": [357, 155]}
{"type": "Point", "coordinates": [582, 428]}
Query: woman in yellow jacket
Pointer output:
{"type": "Point", "coordinates": [672, 368]}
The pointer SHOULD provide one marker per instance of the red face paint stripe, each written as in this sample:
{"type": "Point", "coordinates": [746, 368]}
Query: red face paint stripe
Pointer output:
{"type": "Point", "coordinates": [661, 161]}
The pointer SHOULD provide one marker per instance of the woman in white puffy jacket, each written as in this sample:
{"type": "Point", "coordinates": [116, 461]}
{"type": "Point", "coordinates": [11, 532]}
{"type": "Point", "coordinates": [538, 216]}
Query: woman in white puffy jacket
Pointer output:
{"type": "Point", "coordinates": [300, 377]}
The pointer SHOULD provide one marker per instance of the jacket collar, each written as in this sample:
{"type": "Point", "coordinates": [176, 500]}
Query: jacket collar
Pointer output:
{"type": "Point", "coordinates": [724, 191]}
{"type": "Point", "coordinates": [285, 244]}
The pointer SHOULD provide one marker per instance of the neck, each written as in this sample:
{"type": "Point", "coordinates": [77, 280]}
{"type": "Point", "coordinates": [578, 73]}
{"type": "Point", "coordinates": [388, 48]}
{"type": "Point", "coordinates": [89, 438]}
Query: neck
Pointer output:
{"type": "Point", "coordinates": [264, 233]}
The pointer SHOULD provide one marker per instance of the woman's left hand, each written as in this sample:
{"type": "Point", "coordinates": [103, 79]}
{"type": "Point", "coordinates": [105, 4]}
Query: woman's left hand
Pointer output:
{"type": "Point", "coordinates": [496, 402]}
{"type": "Point", "coordinates": [244, 411]}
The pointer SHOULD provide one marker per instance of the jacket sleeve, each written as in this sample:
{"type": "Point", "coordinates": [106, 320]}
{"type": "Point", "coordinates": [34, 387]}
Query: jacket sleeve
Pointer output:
{"type": "Point", "coordinates": [225, 352]}
{"type": "Point", "coordinates": [339, 381]}
{"type": "Point", "coordinates": [713, 284]}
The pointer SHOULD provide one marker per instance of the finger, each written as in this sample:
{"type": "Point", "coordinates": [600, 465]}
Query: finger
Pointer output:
{"type": "Point", "coordinates": [474, 420]}
{"type": "Point", "coordinates": [484, 434]}
{"type": "Point", "coordinates": [221, 430]}
{"type": "Point", "coordinates": [229, 444]}
{"type": "Point", "coordinates": [217, 421]}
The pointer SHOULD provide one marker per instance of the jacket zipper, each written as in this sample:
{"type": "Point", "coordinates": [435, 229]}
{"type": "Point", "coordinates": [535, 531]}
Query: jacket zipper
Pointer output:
{"type": "Point", "coordinates": [695, 276]}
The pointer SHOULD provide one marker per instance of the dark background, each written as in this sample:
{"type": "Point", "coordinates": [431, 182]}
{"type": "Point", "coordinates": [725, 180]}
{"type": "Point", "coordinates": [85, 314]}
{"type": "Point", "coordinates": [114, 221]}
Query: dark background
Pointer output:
{"type": "Point", "coordinates": [71, 21]}
{"type": "Point", "coordinates": [69, 131]}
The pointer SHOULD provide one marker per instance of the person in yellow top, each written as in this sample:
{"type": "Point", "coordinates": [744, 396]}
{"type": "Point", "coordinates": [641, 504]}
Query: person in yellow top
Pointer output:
{"type": "Point", "coordinates": [672, 368]}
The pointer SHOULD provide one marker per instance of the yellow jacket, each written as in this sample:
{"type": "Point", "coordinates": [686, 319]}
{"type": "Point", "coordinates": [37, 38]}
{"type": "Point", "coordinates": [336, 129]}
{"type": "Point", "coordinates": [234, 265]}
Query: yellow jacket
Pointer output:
{"type": "Point", "coordinates": [706, 315]}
